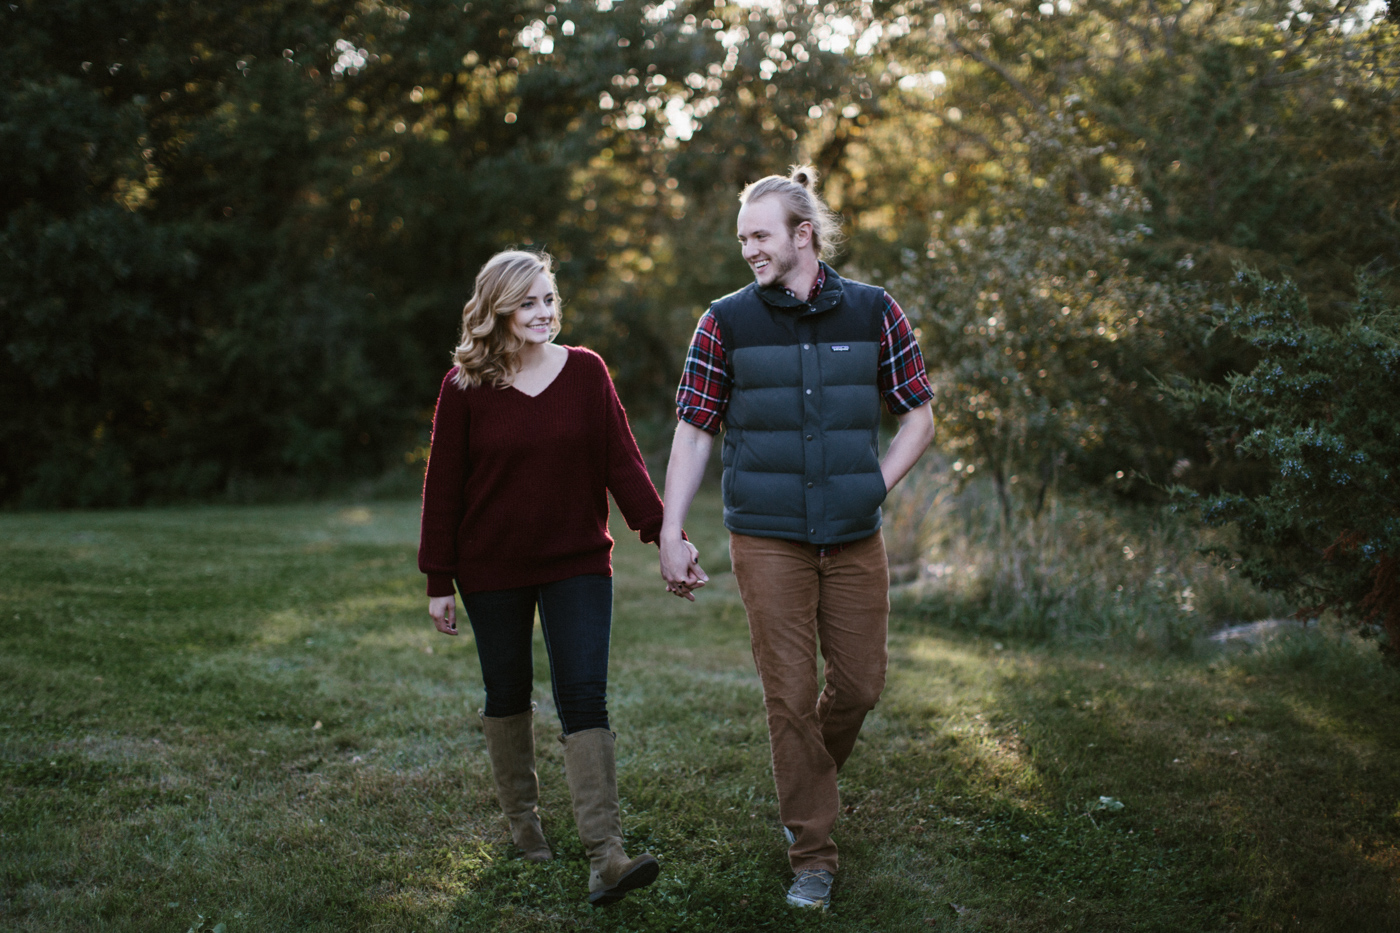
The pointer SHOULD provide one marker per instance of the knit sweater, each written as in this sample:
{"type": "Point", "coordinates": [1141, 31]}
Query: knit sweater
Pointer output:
{"type": "Point", "coordinates": [516, 490]}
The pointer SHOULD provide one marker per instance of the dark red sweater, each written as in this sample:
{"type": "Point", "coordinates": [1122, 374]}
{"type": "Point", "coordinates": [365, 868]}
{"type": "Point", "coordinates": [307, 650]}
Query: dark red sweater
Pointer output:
{"type": "Point", "coordinates": [516, 491]}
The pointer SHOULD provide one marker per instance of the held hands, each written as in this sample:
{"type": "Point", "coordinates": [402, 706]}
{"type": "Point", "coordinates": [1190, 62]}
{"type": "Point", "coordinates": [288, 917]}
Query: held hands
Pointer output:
{"type": "Point", "coordinates": [680, 567]}
{"type": "Point", "coordinates": [443, 609]}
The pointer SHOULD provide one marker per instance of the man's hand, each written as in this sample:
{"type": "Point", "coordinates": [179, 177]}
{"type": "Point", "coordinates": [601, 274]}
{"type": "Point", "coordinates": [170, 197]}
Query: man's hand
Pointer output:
{"type": "Point", "coordinates": [443, 609]}
{"type": "Point", "coordinates": [680, 566]}
{"type": "Point", "coordinates": [680, 563]}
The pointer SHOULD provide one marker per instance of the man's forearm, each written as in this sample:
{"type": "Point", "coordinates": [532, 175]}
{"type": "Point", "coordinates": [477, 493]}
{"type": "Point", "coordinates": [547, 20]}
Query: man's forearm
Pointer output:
{"type": "Point", "coordinates": [910, 441]}
{"type": "Point", "coordinates": [690, 452]}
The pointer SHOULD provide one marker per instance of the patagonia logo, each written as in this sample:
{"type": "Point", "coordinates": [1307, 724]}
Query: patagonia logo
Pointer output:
{"type": "Point", "coordinates": [837, 348]}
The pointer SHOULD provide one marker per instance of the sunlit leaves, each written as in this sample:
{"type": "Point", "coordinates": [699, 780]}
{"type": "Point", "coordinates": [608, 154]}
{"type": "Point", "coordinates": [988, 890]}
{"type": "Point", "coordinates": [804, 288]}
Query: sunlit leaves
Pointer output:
{"type": "Point", "coordinates": [1040, 337]}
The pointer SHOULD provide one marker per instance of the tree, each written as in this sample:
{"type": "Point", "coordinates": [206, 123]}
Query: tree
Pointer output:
{"type": "Point", "coordinates": [238, 236]}
{"type": "Point", "coordinates": [1043, 342]}
{"type": "Point", "coordinates": [1003, 132]}
{"type": "Point", "coordinates": [1265, 132]}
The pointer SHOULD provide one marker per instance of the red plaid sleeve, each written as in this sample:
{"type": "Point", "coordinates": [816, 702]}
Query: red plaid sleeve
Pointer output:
{"type": "Point", "coordinates": [703, 396]}
{"type": "Point", "coordinates": [903, 377]}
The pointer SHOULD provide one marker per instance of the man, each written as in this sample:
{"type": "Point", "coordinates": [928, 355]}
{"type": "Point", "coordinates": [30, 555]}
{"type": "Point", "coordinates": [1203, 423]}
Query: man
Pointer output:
{"type": "Point", "coordinates": [794, 367]}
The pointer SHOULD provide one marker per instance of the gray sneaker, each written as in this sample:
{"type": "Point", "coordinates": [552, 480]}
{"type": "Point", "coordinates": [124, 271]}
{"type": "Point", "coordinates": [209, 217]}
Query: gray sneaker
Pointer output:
{"type": "Point", "coordinates": [811, 888]}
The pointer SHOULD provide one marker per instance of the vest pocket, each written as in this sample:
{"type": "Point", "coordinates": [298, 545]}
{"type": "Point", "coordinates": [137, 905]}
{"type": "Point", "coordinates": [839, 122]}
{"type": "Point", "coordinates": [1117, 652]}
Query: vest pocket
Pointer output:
{"type": "Point", "coordinates": [854, 496]}
{"type": "Point", "coordinates": [779, 495]}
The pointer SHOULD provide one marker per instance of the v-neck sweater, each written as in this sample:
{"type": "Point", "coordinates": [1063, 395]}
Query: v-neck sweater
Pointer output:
{"type": "Point", "coordinates": [516, 490]}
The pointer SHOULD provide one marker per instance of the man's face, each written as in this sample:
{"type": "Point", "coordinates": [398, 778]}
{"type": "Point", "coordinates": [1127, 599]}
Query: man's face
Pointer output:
{"type": "Point", "coordinates": [767, 246]}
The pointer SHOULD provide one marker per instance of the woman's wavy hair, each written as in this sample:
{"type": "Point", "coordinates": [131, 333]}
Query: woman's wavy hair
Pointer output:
{"type": "Point", "coordinates": [489, 351]}
{"type": "Point", "coordinates": [798, 193]}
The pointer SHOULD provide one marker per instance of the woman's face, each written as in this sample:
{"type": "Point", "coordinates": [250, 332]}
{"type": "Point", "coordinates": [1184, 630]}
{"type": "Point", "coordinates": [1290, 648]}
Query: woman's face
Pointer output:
{"type": "Point", "coordinates": [533, 321]}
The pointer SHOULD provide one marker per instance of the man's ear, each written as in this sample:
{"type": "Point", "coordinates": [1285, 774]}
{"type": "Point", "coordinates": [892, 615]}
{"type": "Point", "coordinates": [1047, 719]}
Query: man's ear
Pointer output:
{"type": "Point", "coordinates": [802, 236]}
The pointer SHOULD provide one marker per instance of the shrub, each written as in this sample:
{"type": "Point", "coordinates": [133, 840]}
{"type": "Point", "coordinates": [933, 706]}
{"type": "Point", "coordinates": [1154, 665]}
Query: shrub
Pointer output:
{"type": "Point", "coordinates": [1319, 409]}
{"type": "Point", "coordinates": [1087, 568]}
{"type": "Point", "coordinates": [1042, 340]}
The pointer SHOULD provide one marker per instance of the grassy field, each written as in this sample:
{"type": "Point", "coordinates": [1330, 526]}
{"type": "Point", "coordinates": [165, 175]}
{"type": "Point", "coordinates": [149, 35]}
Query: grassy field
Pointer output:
{"type": "Point", "coordinates": [241, 719]}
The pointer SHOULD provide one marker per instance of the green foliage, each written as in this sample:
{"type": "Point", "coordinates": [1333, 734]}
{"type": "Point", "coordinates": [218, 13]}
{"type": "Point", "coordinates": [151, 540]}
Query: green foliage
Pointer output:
{"type": "Point", "coordinates": [1318, 408]}
{"type": "Point", "coordinates": [1088, 173]}
{"type": "Point", "coordinates": [175, 320]}
{"type": "Point", "coordinates": [1258, 131]}
{"type": "Point", "coordinates": [237, 237]}
{"type": "Point", "coordinates": [1042, 340]}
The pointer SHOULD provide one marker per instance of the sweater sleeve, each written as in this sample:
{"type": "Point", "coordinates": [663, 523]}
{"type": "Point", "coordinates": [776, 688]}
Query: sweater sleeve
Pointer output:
{"type": "Point", "coordinates": [627, 477]}
{"type": "Point", "coordinates": [443, 490]}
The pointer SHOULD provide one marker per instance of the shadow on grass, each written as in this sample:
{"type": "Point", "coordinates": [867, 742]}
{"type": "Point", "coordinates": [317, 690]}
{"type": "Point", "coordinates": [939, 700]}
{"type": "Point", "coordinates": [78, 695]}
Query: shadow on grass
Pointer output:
{"type": "Point", "coordinates": [1108, 791]}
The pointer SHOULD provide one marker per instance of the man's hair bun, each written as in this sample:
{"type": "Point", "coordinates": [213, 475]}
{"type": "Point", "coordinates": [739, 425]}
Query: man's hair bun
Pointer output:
{"type": "Point", "coordinates": [804, 175]}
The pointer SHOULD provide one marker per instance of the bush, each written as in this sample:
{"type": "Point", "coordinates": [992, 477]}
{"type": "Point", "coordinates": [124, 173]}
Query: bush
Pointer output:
{"type": "Point", "coordinates": [1335, 658]}
{"type": "Point", "coordinates": [1086, 569]}
{"type": "Point", "coordinates": [1042, 341]}
{"type": "Point", "coordinates": [1319, 410]}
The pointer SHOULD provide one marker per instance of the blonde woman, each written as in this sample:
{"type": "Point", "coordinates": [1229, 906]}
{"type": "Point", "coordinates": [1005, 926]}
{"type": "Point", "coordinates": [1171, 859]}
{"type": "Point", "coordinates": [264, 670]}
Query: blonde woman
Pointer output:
{"type": "Point", "coordinates": [528, 439]}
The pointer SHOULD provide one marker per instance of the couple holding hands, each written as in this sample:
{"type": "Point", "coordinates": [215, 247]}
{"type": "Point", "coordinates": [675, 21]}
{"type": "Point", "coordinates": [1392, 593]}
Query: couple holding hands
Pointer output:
{"type": "Point", "coordinates": [528, 439]}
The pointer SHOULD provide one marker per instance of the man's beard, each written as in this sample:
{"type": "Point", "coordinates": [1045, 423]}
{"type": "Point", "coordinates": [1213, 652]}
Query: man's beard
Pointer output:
{"type": "Point", "coordinates": [781, 264]}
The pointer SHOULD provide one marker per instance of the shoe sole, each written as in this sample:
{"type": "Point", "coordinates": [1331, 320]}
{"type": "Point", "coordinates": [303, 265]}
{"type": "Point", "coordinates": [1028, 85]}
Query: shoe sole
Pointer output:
{"type": "Point", "coordinates": [804, 902]}
{"type": "Point", "coordinates": [639, 877]}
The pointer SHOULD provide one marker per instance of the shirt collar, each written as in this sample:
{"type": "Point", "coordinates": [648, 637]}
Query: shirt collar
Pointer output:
{"type": "Point", "coordinates": [816, 285]}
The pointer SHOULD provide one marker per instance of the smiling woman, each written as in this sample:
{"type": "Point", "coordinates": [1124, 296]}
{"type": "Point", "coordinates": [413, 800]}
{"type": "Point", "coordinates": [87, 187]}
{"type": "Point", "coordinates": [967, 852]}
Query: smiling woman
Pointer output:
{"type": "Point", "coordinates": [528, 439]}
{"type": "Point", "coordinates": [512, 313]}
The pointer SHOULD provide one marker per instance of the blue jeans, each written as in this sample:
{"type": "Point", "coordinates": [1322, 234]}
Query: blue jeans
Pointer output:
{"type": "Point", "coordinates": [576, 618]}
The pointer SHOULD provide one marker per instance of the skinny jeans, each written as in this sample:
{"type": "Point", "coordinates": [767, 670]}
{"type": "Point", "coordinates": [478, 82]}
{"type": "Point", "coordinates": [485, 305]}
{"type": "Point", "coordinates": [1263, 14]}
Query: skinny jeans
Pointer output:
{"type": "Point", "coordinates": [576, 619]}
{"type": "Point", "coordinates": [796, 599]}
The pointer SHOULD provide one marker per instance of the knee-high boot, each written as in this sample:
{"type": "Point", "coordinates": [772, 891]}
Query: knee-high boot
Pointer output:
{"type": "Point", "coordinates": [510, 741]}
{"type": "Point", "coordinates": [592, 772]}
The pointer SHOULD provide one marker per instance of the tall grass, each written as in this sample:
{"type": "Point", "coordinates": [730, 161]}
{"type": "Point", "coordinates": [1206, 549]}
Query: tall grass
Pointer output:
{"type": "Point", "coordinates": [1080, 570]}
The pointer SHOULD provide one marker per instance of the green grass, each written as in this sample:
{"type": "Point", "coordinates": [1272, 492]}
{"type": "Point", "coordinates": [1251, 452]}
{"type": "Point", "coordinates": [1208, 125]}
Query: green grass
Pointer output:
{"type": "Point", "coordinates": [243, 717]}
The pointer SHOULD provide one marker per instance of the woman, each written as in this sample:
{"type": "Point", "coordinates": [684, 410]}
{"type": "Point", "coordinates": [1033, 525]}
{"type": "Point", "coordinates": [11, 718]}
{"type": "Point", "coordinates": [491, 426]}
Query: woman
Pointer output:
{"type": "Point", "coordinates": [528, 439]}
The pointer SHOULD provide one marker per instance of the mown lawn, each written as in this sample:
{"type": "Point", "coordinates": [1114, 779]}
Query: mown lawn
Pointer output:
{"type": "Point", "coordinates": [242, 719]}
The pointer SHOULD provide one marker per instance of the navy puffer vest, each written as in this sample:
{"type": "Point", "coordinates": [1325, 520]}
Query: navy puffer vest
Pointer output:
{"type": "Point", "coordinates": [801, 439]}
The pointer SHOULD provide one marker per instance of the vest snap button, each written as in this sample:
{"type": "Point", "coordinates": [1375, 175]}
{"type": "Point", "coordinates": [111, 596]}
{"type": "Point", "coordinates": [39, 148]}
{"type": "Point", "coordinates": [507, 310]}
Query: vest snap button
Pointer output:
{"type": "Point", "coordinates": [809, 437]}
{"type": "Point", "coordinates": [810, 485]}
{"type": "Point", "coordinates": [806, 346]}
{"type": "Point", "coordinates": [809, 391]}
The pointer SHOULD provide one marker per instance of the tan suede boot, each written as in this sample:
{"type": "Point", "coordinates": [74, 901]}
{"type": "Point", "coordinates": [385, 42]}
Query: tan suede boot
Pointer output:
{"type": "Point", "coordinates": [510, 740]}
{"type": "Point", "coordinates": [592, 773]}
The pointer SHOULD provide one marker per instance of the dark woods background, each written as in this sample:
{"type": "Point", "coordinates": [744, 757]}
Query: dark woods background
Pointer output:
{"type": "Point", "coordinates": [237, 236]}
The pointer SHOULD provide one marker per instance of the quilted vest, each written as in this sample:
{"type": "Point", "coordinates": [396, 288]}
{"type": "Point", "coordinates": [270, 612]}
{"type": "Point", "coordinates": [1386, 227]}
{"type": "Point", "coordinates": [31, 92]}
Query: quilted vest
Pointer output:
{"type": "Point", "coordinates": [801, 435]}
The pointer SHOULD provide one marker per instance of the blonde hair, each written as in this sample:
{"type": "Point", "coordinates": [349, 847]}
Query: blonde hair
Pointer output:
{"type": "Point", "coordinates": [489, 351]}
{"type": "Point", "coordinates": [798, 193]}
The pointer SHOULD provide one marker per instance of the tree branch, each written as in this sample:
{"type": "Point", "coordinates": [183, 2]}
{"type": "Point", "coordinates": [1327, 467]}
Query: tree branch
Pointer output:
{"type": "Point", "coordinates": [1006, 76]}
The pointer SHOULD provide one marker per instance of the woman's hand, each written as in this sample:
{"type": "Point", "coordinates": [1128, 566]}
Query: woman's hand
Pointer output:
{"type": "Point", "coordinates": [443, 609]}
{"type": "Point", "coordinates": [680, 567]}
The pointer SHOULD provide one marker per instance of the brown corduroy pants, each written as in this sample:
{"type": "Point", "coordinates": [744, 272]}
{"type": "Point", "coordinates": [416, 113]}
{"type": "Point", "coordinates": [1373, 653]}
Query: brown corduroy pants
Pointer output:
{"type": "Point", "coordinates": [795, 598]}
